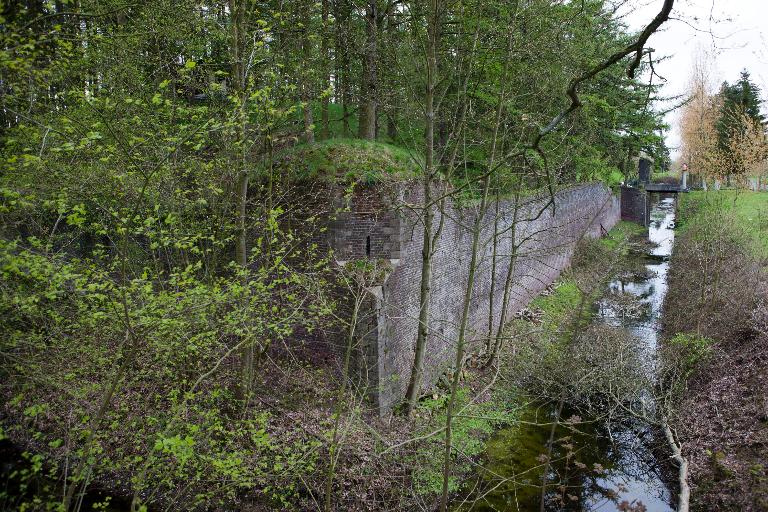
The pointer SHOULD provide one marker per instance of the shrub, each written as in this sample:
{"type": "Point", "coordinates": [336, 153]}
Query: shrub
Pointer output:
{"type": "Point", "coordinates": [714, 277]}
{"type": "Point", "coordinates": [689, 351]}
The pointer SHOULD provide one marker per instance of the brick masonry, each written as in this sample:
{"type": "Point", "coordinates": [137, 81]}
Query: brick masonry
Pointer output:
{"type": "Point", "coordinates": [383, 223]}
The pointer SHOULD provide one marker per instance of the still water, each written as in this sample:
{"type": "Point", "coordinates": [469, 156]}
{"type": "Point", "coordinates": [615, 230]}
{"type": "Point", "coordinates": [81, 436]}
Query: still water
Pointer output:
{"type": "Point", "coordinates": [592, 468]}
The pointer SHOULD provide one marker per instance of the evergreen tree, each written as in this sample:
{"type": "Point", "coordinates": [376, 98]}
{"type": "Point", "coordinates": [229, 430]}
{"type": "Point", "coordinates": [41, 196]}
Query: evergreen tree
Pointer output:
{"type": "Point", "coordinates": [747, 95]}
{"type": "Point", "coordinates": [742, 97]}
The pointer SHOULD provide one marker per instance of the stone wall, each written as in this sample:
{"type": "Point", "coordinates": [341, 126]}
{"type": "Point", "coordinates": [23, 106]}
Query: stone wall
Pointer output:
{"type": "Point", "coordinates": [386, 225]}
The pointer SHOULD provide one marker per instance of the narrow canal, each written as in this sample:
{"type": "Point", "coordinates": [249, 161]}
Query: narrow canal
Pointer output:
{"type": "Point", "coordinates": [595, 465]}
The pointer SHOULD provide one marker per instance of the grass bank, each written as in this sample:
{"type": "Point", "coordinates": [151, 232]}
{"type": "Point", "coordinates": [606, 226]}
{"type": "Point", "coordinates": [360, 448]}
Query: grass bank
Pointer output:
{"type": "Point", "coordinates": [749, 208]}
{"type": "Point", "coordinates": [350, 160]}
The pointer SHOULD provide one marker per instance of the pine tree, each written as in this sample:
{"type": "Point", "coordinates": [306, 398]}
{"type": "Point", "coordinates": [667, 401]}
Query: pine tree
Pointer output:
{"type": "Point", "coordinates": [743, 96]}
{"type": "Point", "coordinates": [739, 115]}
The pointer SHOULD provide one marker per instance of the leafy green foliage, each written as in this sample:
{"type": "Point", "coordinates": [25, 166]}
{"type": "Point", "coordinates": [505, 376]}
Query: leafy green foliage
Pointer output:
{"type": "Point", "coordinates": [186, 330]}
{"type": "Point", "coordinates": [742, 96]}
{"type": "Point", "coordinates": [740, 117]}
{"type": "Point", "coordinates": [117, 219]}
{"type": "Point", "coordinates": [470, 429]}
{"type": "Point", "coordinates": [692, 350]}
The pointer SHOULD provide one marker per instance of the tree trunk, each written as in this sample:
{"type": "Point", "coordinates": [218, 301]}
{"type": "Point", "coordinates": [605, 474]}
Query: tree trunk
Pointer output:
{"type": "Point", "coordinates": [341, 14]}
{"type": "Point", "coordinates": [507, 284]}
{"type": "Point", "coordinates": [392, 125]}
{"type": "Point", "coordinates": [684, 495]}
{"type": "Point", "coordinates": [237, 35]}
{"type": "Point", "coordinates": [237, 11]}
{"type": "Point", "coordinates": [492, 292]}
{"type": "Point", "coordinates": [491, 164]}
{"type": "Point", "coordinates": [368, 90]}
{"type": "Point", "coordinates": [325, 131]}
{"type": "Point", "coordinates": [306, 86]}
{"type": "Point", "coordinates": [333, 450]}
{"type": "Point", "coordinates": [414, 385]}
{"type": "Point", "coordinates": [460, 346]}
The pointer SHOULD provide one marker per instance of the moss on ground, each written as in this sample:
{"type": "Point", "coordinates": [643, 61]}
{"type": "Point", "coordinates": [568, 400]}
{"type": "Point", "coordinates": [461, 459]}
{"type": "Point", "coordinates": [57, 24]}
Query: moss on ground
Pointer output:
{"type": "Point", "coordinates": [476, 420]}
{"type": "Point", "coordinates": [350, 160]}
{"type": "Point", "coordinates": [623, 232]}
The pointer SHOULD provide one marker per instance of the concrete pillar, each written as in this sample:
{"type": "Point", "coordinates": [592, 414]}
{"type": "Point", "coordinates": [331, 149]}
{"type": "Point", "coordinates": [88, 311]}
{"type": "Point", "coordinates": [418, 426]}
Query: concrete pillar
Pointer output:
{"type": "Point", "coordinates": [684, 180]}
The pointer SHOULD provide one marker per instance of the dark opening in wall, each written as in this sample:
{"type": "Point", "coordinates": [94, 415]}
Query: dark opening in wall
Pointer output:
{"type": "Point", "coordinates": [368, 246]}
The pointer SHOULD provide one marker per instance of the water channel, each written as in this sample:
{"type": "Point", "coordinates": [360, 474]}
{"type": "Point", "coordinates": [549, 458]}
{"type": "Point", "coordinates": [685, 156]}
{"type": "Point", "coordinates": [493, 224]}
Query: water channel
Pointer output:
{"type": "Point", "coordinates": [613, 466]}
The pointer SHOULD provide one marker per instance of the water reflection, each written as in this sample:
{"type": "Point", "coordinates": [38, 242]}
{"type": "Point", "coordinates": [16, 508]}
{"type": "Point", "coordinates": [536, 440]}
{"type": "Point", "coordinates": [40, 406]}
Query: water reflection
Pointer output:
{"type": "Point", "coordinates": [590, 468]}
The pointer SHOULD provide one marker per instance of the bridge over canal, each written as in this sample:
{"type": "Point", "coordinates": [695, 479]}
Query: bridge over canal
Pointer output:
{"type": "Point", "coordinates": [665, 188]}
{"type": "Point", "coordinates": [635, 200]}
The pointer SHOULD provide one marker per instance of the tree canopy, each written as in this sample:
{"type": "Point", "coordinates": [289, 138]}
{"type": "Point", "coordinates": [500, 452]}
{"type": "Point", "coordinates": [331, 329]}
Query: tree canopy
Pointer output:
{"type": "Point", "coordinates": [168, 166]}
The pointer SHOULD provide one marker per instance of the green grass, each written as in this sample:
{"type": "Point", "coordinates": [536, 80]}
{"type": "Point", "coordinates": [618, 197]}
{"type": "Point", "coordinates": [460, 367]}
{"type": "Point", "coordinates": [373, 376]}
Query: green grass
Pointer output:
{"type": "Point", "coordinates": [621, 233]}
{"type": "Point", "coordinates": [350, 160]}
{"type": "Point", "coordinates": [751, 208]}
{"type": "Point", "coordinates": [558, 306]}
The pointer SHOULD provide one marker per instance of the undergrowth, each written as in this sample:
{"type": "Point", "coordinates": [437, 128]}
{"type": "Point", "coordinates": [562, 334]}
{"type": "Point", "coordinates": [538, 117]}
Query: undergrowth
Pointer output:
{"type": "Point", "coordinates": [477, 419]}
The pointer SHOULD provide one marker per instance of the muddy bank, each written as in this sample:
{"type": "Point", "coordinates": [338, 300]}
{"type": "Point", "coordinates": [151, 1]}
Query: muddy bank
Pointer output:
{"type": "Point", "coordinates": [717, 290]}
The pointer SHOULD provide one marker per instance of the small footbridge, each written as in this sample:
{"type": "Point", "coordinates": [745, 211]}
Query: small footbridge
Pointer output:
{"type": "Point", "coordinates": [635, 199]}
{"type": "Point", "coordinates": [665, 188]}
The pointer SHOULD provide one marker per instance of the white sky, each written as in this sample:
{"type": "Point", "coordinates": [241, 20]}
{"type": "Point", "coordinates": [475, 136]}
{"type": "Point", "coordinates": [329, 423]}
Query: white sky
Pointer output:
{"type": "Point", "coordinates": [734, 31]}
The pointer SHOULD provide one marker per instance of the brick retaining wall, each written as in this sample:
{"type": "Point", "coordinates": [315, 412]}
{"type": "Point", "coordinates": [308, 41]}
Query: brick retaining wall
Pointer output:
{"type": "Point", "coordinates": [384, 224]}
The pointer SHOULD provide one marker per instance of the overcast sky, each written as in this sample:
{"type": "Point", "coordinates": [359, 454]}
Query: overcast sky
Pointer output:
{"type": "Point", "coordinates": [734, 31]}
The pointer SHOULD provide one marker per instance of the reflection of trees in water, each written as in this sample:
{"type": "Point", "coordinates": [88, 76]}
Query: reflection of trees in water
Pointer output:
{"type": "Point", "coordinates": [590, 459]}
{"type": "Point", "coordinates": [597, 372]}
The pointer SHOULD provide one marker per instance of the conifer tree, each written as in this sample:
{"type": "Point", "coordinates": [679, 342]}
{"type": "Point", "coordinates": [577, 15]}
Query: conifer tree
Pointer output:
{"type": "Point", "coordinates": [740, 116]}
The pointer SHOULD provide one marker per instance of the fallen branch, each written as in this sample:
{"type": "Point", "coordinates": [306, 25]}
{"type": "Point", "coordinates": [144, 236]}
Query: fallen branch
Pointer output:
{"type": "Point", "coordinates": [685, 491]}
